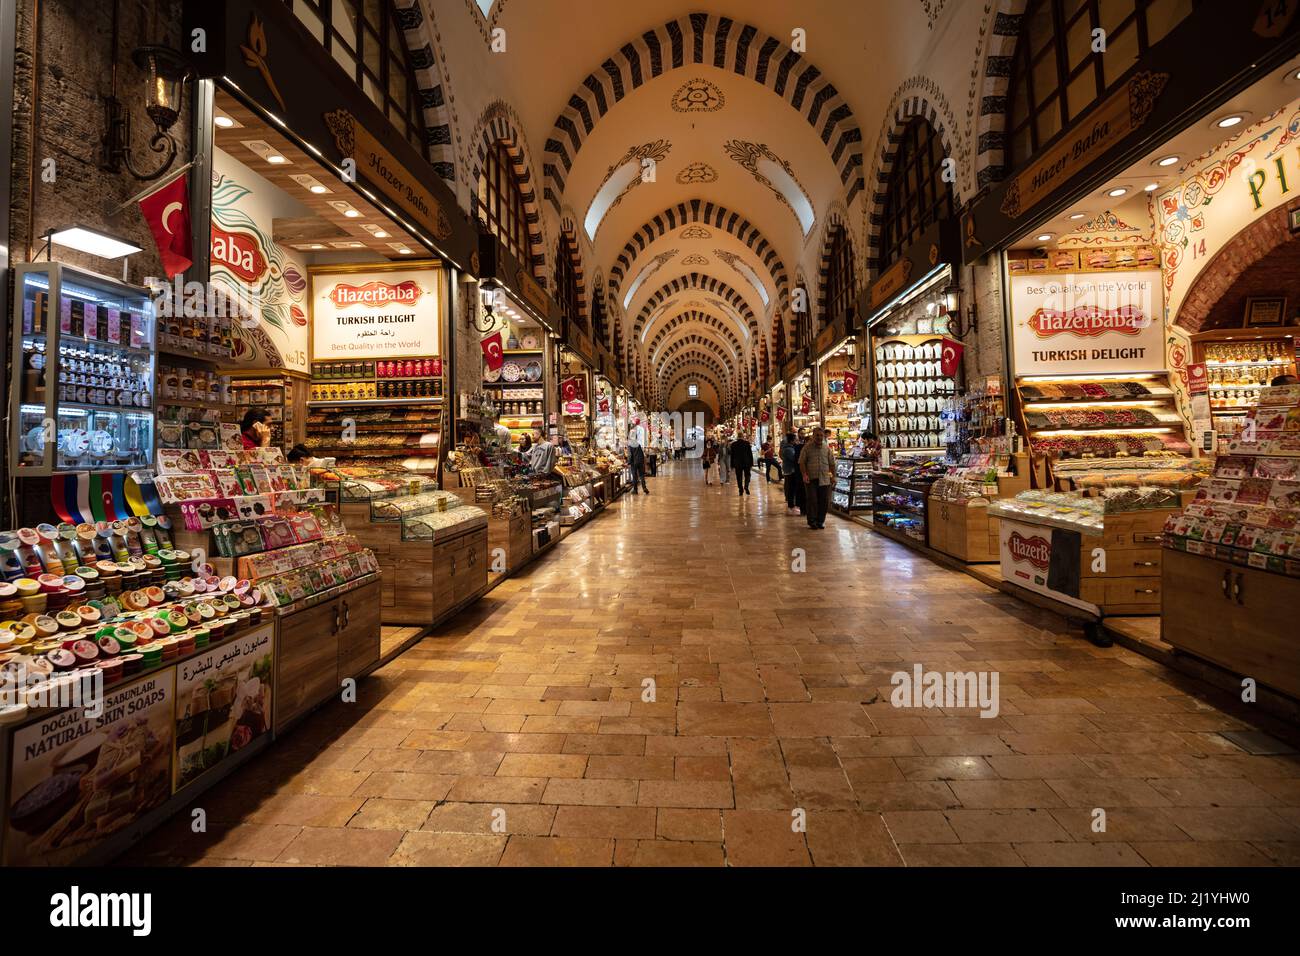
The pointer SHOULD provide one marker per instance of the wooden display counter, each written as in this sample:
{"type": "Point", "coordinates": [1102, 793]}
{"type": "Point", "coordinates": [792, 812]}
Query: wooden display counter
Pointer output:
{"type": "Point", "coordinates": [322, 643]}
{"type": "Point", "coordinates": [1235, 616]}
{"type": "Point", "coordinates": [962, 529]}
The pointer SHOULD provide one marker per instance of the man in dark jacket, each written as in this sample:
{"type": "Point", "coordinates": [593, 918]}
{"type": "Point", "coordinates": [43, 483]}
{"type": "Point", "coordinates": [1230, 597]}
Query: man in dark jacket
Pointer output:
{"type": "Point", "coordinates": [742, 462]}
{"type": "Point", "coordinates": [794, 493]}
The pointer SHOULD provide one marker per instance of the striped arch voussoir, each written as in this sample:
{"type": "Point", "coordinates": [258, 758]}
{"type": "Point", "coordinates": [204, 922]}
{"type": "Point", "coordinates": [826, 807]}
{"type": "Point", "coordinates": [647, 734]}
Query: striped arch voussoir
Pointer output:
{"type": "Point", "coordinates": [705, 213]}
{"type": "Point", "coordinates": [499, 125]}
{"type": "Point", "coordinates": [721, 42]}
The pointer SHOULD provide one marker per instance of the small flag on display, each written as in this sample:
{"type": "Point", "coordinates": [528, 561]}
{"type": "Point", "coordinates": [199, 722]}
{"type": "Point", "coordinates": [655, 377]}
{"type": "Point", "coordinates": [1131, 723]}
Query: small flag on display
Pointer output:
{"type": "Point", "coordinates": [167, 212]}
{"type": "Point", "coordinates": [493, 353]}
{"type": "Point", "coordinates": [950, 357]}
{"type": "Point", "coordinates": [850, 383]}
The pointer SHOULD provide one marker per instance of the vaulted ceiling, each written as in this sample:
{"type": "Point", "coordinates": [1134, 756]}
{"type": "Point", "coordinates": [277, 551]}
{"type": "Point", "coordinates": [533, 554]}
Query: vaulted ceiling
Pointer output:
{"type": "Point", "coordinates": [698, 156]}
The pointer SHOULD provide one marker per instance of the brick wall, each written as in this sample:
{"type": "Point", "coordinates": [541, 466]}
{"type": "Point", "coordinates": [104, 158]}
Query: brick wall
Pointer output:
{"type": "Point", "coordinates": [67, 125]}
{"type": "Point", "coordinates": [1263, 259]}
{"type": "Point", "coordinates": [982, 290]}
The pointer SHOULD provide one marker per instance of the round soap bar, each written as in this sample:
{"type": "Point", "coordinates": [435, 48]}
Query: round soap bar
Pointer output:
{"type": "Point", "coordinates": [68, 620]}
{"type": "Point", "coordinates": [109, 646]}
{"type": "Point", "coordinates": [62, 659]}
{"type": "Point", "coordinates": [86, 651]}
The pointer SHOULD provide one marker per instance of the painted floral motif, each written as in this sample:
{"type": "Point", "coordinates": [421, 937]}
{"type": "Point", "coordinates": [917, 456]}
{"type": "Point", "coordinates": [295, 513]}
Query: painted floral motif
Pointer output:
{"type": "Point", "coordinates": [695, 259]}
{"type": "Point", "coordinates": [696, 232]}
{"type": "Point", "coordinates": [697, 173]}
{"type": "Point", "coordinates": [698, 96]}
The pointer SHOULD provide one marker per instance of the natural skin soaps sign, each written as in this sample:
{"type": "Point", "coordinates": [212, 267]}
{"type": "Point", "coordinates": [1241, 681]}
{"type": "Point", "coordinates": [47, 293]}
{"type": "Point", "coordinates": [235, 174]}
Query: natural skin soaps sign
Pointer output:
{"type": "Point", "coordinates": [378, 314]}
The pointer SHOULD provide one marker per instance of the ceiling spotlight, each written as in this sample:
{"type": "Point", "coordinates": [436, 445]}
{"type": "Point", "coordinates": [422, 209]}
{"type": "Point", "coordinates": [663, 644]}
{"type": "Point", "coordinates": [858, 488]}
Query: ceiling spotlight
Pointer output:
{"type": "Point", "coordinates": [275, 159]}
{"type": "Point", "coordinates": [351, 213]}
{"type": "Point", "coordinates": [222, 121]}
{"type": "Point", "coordinates": [380, 234]}
{"type": "Point", "coordinates": [1150, 187]}
{"type": "Point", "coordinates": [1043, 238]}
{"type": "Point", "coordinates": [1227, 122]}
{"type": "Point", "coordinates": [404, 251]}
{"type": "Point", "coordinates": [318, 189]}
{"type": "Point", "coordinates": [1117, 192]}
{"type": "Point", "coordinates": [315, 245]}
{"type": "Point", "coordinates": [1166, 160]}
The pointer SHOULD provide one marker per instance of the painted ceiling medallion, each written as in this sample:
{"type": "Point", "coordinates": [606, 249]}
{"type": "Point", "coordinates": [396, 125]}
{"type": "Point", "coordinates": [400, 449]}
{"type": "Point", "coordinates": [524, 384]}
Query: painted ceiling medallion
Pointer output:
{"type": "Point", "coordinates": [697, 173]}
{"type": "Point", "coordinates": [695, 259]}
{"type": "Point", "coordinates": [698, 96]}
{"type": "Point", "coordinates": [696, 232]}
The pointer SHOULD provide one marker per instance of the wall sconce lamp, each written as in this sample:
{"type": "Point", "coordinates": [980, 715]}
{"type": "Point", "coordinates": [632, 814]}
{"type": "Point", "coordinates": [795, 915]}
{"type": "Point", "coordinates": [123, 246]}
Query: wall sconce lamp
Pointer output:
{"type": "Point", "coordinates": [167, 74]}
{"type": "Point", "coordinates": [488, 292]}
{"type": "Point", "coordinates": [958, 324]}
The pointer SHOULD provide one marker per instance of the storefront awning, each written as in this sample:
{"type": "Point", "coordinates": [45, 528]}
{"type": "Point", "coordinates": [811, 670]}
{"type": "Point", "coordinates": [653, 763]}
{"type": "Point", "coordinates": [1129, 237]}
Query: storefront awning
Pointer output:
{"type": "Point", "coordinates": [936, 248]}
{"type": "Point", "coordinates": [260, 51]}
{"type": "Point", "coordinates": [497, 264]}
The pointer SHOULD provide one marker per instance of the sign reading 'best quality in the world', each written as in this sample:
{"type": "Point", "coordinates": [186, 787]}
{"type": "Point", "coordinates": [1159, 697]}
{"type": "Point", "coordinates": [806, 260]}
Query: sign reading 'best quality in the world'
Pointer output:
{"type": "Point", "coordinates": [1088, 324]}
{"type": "Point", "coordinates": [380, 314]}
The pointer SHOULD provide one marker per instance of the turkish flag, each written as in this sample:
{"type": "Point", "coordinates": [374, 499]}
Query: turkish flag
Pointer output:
{"type": "Point", "coordinates": [167, 212]}
{"type": "Point", "coordinates": [950, 357]}
{"type": "Point", "coordinates": [763, 417]}
{"type": "Point", "coordinates": [780, 414]}
{"type": "Point", "coordinates": [850, 384]}
{"type": "Point", "coordinates": [807, 404]}
{"type": "Point", "coordinates": [494, 355]}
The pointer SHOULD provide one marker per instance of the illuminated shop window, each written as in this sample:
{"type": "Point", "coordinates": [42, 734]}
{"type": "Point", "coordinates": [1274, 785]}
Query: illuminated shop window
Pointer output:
{"type": "Point", "coordinates": [1060, 69]}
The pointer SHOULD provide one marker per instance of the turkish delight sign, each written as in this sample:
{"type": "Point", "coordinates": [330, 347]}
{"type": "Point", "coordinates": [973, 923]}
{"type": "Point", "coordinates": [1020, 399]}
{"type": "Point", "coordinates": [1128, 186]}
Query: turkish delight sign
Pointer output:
{"type": "Point", "coordinates": [378, 314]}
{"type": "Point", "coordinates": [1088, 324]}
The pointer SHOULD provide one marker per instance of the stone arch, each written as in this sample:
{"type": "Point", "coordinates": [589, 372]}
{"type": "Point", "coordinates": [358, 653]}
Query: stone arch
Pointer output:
{"type": "Point", "coordinates": [989, 87]}
{"type": "Point", "coordinates": [693, 319]}
{"type": "Point", "coordinates": [694, 342]}
{"type": "Point", "coordinates": [696, 280]}
{"type": "Point", "coordinates": [802, 335]}
{"type": "Point", "coordinates": [702, 212]}
{"type": "Point", "coordinates": [1238, 254]}
{"type": "Point", "coordinates": [424, 47]}
{"type": "Point", "coordinates": [836, 218]}
{"type": "Point", "coordinates": [693, 362]}
{"type": "Point", "coordinates": [569, 237]}
{"type": "Point", "coordinates": [906, 108]}
{"type": "Point", "coordinates": [721, 42]}
{"type": "Point", "coordinates": [500, 124]}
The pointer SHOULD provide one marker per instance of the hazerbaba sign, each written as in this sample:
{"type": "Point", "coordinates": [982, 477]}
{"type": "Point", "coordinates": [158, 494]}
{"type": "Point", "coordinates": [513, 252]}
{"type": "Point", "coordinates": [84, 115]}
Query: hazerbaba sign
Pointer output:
{"type": "Point", "coordinates": [1087, 324]}
{"type": "Point", "coordinates": [385, 313]}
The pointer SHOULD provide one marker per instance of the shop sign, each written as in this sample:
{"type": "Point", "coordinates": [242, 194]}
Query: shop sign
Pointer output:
{"type": "Point", "coordinates": [575, 408]}
{"type": "Point", "coordinates": [386, 171]}
{"type": "Point", "coordinates": [389, 313]}
{"type": "Point", "coordinates": [826, 338]}
{"type": "Point", "coordinates": [223, 703]}
{"type": "Point", "coordinates": [240, 252]}
{"type": "Point", "coordinates": [890, 282]}
{"type": "Point", "coordinates": [1198, 379]}
{"type": "Point", "coordinates": [791, 366]}
{"type": "Point", "coordinates": [1115, 118]}
{"type": "Point", "coordinates": [75, 780]}
{"type": "Point", "coordinates": [532, 292]}
{"type": "Point", "coordinates": [1026, 560]}
{"type": "Point", "coordinates": [1091, 323]}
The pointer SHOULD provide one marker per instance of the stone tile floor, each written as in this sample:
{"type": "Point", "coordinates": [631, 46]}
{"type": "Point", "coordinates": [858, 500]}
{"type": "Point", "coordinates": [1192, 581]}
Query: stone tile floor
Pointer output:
{"type": "Point", "coordinates": [663, 689]}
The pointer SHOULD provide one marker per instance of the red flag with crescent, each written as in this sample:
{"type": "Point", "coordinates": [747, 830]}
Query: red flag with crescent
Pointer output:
{"type": "Point", "coordinates": [494, 355]}
{"type": "Point", "coordinates": [850, 384]}
{"type": "Point", "coordinates": [167, 212]}
{"type": "Point", "coordinates": [950, 357]}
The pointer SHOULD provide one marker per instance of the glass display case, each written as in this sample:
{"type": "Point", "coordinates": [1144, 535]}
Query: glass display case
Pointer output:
{"type": "Point", "coordinates": [84, 367]}
{"type": "Point", "coordinates": [395, 509]}
{"type": "Point", "coordinates": [437, 525]}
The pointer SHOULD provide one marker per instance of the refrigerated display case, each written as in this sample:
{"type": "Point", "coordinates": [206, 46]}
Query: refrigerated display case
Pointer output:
{"type": "Point", "coordinates": [84, 365]}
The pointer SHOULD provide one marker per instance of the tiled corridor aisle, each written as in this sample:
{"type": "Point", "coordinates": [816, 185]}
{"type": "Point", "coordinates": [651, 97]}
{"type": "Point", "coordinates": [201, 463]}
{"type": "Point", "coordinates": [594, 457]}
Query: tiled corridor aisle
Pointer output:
{"type": "Point", "coordinates": [518, 735]}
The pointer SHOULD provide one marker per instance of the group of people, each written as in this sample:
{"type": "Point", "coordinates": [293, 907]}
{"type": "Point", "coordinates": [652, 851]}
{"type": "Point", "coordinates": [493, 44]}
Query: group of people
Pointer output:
{"type": "Point", "coordinates": [731, 457]}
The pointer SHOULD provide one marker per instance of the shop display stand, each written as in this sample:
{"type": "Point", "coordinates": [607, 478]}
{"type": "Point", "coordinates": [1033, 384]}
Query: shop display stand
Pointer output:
{"type": "Point", "coordinates": [195, 396]}
{"type": "Point", "coordinates": [853, 487]}
{"type": "Point", "coordinates": [1239, 364]}
{"type": "Point", "coordinates": [276, 393]}
{"type": "Point", "coordinates": [1231, 569]}
{"type": "Point", "coordinates": [909, 391]}
{"type": "Point", "coordinates": [84, 359]}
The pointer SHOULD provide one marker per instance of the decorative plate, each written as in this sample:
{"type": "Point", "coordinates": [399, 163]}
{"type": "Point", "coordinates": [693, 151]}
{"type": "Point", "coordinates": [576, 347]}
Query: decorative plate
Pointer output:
{"type": "Point", "coordinates": [511, 372]}
{"type": "Point", "coordinates": [74, 442]}
{"type": "Point", "coordinates": [533, 371]}
{"type": "Point", "coordinates": [34, 440]}
{"type": "Point", "coordinates": [101, 443]}
{"type": "Point", "coordinates": [530, 341]}
{"type": "Point", "coordinates": [492, 374]}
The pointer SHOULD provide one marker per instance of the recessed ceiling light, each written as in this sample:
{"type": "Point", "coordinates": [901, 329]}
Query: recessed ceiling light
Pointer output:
{"type": "Point", "coordinates": [275, 159]}
{"type": "Point", "coordinates": [318, 189]}
{"type": "Point", "coordinates": [1077, 215]}
{"type": "Point", "coordinates": [1150, 187]}
{"type": "Point", "coordinates": [316, 245]}
{"type": "Point", "coordinates": [404, 251]}
{"type": "Point", "coordinates": [351, 213]}
{"type": "Point", "coordinates": [1166, 160]}
{"type": "Point", "coordinates": [223, 121]}
{"type": "Point", "coordinates": [1043, 238]}
{"type": "Point", "coordinates": [1117, 191]}
{"type": "Point", "coordinates": [1229, 121]}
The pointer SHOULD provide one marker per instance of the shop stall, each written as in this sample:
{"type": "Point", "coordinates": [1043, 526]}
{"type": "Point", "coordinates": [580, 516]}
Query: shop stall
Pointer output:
{"type": "Point", "coordinates": [842, 401]}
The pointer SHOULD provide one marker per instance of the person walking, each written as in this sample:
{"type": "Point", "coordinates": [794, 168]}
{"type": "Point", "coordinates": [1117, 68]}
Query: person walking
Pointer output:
{"type": "Point", "coordinates": [741, 454]}
{"type": "Point", "coordinates": [769, 462]}
{"type": "Point", "coordinates": [636, 459]}
{"type": "Point", "coordinates": [724, 460]}
{"type": "Point", "coordinates": [817, 468]}
{"type": "Point", "coordinates": [790, 474]}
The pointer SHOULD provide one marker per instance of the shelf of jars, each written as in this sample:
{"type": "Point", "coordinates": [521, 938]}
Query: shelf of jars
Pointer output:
{"type": "Point", "coordinates": [84, 367]}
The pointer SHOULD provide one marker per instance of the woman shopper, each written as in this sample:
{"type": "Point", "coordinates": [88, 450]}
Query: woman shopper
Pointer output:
{"type": "Point", "coordinates": [817, 469]}
{"type": "Point", "coordinates": [724, 460]}
{"type": "Point", "coordinates": [769, 460]}
{"type": "Point", "coordinates": [710, 454]}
